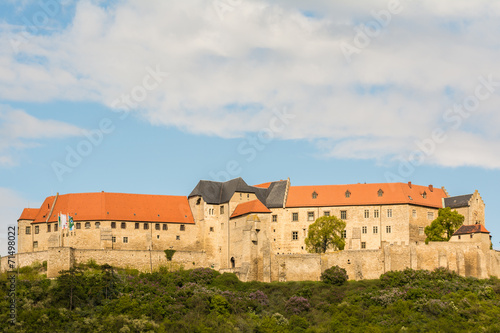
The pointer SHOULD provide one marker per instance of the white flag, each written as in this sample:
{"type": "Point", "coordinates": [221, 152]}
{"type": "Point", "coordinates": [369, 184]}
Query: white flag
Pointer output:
{"type": "Point", "coordinates": [64, 221]}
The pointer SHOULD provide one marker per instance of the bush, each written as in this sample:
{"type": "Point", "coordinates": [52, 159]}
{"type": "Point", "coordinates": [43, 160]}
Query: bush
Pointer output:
{"type": "Point", "coordinates": [297, 304]}
{"type": "Point", "coordinates": [203, 275]}
{"type": "Point", "coordinates": [334, 275]}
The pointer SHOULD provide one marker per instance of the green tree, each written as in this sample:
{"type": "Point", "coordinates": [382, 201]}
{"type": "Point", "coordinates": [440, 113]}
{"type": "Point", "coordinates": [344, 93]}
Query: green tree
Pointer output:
{"type": "Point", "coordinates": [325, 233]}
{"type": "Point", "coordinates": [443, 227]}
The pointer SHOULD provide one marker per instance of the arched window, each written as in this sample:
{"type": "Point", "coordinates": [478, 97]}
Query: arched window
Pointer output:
{"type": "Point", "coordinates": [347, 194]}
{"type": "Point", "coordinates": [314, 195]}
{"type": "Point", "coordinates": [380, 192]}
{"type": "Point", "coordinates": [233, 262]}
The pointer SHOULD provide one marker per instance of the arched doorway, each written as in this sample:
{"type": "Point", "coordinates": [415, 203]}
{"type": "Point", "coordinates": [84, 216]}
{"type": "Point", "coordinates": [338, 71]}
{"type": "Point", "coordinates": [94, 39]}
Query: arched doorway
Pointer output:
{"type": "Point", "coordinates": [233, 262]}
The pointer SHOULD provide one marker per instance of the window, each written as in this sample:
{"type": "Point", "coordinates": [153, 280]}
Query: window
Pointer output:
{"type": "Point", "coordinates": [97, 225]}
{"type": "Point", "coordinates": [157, 226]}
{"type": "Point", "coordinates": [146, 226]}
{"type": "Point", "coordinates": [389, 213]}
{"type": "Point", "coordinates": [211, 229]}
{"type": "Point", "coordinates": [375, 229]}
{"type": "Point", "coordinates": [424, 195]}
{"type": "Point", "coordinates": [343, 214]}
{"type": "Point", "coordinates": [125, 239]}
{"type": "Point", "coordinates": [35, 244]}
{"type": "Point", "coordinates": [165, 227]}
{"type": "Point", "coordinates": [347, 194]}
{"type": "Point", "coordinates": [414, 213]}
{"type": "Point", "coordinates": [314, 195]}
{"type": "Point", "coordinates": [387, 229]}
{"type": "Point", "coordinates": [78, 226]}
{"type": "Point", "coordinates": [295, 217]}
{"type": "Point", "coordinates": [420, 231]}
{"type": "Point", "coordinates": [380, 192]}
{"type": "Point", "coordinates": [364, 229]}
{"type": "Point", "coordinates": [113, 239]}
{"type": "Point", "coordinates": [367, 213]}
{"type": "Point", "coordinates": [210, 211]}
{"type": "Point", "coordinates": [376, 213]}
{"type": "Point", "coordinates": [37, 229]}
{"type": "Point", "coordinates": [363, 245]}
{"type": "Point", "coordinates": [275, 218]}
{"type": "Point", "coordinates": [56, 227]}
{"type": "Point", "coordinates": [248, 195]}
{"type": "Point", "coordinates": [113, 225]}
{"type": "Point", "coordinates": [241, 195]}
{"type": "Point", "coordinates": [430, 216]}
{"type": "Point", "coordinates": [326, 213]}
{"type": "Point", "coordinates": [310, 216]}
{"type": "Point", "coordinates": [87, 225]}
{"type": "Point", "coordinates": [136, 225]}
{"type": "Point", "coordinates": [183, 227]}
{"type": "Point", "coordinates": [222, 210]}
{"type": "Point", "coordinates": [344, 234]}
{"type": "Point", "coordinates": [48, 227]}
{"type": "Point", "coordinates": [295, 235]}
{"type": "Point", "coordinates": [123, 225]}
{"type": "Point", "coordinates": [28, 230]}
{"type": "Point", "coordinates": [177, 237]}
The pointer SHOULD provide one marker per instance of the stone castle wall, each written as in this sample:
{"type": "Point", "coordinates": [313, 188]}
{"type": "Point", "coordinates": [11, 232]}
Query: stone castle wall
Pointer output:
{"type": "Point", "coordinates": [467, 259]}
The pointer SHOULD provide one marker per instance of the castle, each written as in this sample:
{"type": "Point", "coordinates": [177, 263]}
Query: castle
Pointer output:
{"type": "Point", "coordinates": [258, 231]}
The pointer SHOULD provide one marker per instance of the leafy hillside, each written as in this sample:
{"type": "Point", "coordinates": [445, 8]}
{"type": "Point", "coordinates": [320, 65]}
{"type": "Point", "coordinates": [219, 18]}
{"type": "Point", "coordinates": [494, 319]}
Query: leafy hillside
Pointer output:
{"type": "Point", "coordinates": [92, 298]}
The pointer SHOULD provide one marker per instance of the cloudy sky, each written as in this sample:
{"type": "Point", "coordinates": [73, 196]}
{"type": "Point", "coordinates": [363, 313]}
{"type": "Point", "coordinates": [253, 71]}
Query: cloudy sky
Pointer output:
{"type": "Point", "coordinates": [151, 96]}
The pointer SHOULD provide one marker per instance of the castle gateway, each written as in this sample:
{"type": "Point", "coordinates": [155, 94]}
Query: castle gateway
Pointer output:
{"type": "Point", "coordinates": [258, 231]}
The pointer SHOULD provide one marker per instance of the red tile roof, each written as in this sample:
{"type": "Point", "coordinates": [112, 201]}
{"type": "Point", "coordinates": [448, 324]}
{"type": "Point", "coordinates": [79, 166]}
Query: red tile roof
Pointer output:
{"type": "Point", "coordinates": [104, 206]}
{"type": "Point", "coordinates": [471, 229]}
{"type": "Point", "coordinates": [365, 194]}
{"type": "Point", "coordinates": [29, 213]}
{"type": "Point", "coordinates": [263, 185]}
{"type": "Point", "coordinates": [254, 206]}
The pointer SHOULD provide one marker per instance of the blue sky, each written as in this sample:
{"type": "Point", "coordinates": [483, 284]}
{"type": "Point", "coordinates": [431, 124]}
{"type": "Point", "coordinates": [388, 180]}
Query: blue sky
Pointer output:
{"type": "Point", "coordinates": [150, 97]}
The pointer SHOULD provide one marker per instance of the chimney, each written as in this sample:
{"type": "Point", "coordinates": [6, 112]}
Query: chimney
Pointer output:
{"type": "Point", "coordinates": [431, 188]}
{"type": "Point", "coordinates": [409, 184]}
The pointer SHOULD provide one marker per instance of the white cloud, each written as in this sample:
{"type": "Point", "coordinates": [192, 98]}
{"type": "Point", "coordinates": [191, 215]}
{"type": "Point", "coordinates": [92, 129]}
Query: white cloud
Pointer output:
{"type": "Point", "coordinates": [227, 75]}
{"type": "Point", "coordinates": [19, 130]}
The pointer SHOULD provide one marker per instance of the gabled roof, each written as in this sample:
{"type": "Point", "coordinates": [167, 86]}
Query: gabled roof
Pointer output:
{"type": "Point", "coordinates": [458, 201]}
{"type": "Point", "coordinates": [365, 194]}
{"type": "Point", "coordinates": [103, 206]}
{"type": "Point", "coordinates": [471, 229]}
{"type": "Point", "coordinates": [254, 206]}
{"type": "Point", "coordinates": [216, 193]}
{"type": "Point", "coordinates": [29, 214]}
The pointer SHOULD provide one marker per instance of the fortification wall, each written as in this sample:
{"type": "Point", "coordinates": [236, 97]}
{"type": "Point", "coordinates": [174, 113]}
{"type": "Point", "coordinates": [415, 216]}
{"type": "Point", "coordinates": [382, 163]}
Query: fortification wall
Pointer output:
{"type": "Point", "coordinates": [23, 259]}
{"type": "Point", "coordinates": [465, 259]}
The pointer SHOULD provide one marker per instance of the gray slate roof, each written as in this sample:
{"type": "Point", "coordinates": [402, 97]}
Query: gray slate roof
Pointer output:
{"type": "Point", "coordinates": [216, 193]}
{"type": "Point", "coordinates": [458, 201]}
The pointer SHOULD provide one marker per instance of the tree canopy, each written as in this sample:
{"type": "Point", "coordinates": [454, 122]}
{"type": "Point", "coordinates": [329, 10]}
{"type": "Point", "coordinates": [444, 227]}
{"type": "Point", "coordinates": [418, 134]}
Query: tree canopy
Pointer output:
{"type": "Point", "coordinates": [443, 227]}
{"type": "Point", "coordinates": [325, 233]}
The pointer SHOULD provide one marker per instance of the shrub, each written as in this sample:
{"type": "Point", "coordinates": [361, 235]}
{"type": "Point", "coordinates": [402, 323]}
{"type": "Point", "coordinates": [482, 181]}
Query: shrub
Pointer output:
{"type": "Point", "coordinates": [297, 304]}
{"type": "Point", "coordinates": [203, 275]}
{"type": "Point", "coordinates": [169, 254]}
{"type": "Point", "coordinates": [334, 275]}
{"type": "Point", "coordinates": [226, 281]}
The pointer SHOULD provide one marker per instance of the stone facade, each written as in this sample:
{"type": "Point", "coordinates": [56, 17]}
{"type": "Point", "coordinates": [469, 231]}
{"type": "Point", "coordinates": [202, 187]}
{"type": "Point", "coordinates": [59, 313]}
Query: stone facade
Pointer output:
{"type": "Point", "coordinates": [258, 231]}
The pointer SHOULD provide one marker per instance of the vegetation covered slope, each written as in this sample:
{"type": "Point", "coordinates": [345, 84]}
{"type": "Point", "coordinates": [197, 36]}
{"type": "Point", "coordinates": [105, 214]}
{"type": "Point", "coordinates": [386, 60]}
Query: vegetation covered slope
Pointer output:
{"type": "Point", "coordinates": [94, 298]}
